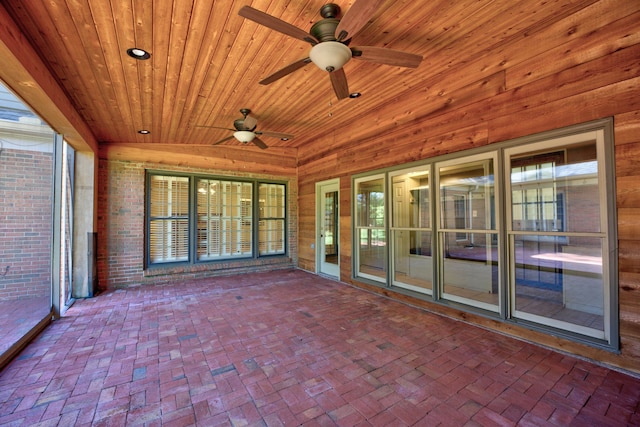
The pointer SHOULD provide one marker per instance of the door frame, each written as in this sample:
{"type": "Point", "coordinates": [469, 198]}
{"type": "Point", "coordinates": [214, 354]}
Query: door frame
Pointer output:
{"type": "Point", "coordinates": [321, 188]}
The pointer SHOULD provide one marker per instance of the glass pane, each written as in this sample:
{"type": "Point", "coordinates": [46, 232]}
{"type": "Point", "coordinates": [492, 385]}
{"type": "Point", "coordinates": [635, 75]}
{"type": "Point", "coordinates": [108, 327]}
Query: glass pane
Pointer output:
{"type": "Point", "coordinates": [370, 203]}
{"type": "Point", "coordinates": [560, 278]}
{"type": "Point", "coordinates": [557, 190]}
{"type": "Point", "coordinates": [412, 261]}
{"type": "Point", "coordinates": [224, 218]}
{"type": "Point", "coordinates": [271, 229]}
{"type": "Point", "coordinates": [26, 227]}
{"type": "Point", "coordinates": [470, 268]}
{"type": "Point", "coordinates": [370, 225]}
{"type": "Point", "coordinates": [372, 252]}
{"type": "Point", "coordinates": [467, 197]}
{"type": "Point", "coordinates": [330, 227]}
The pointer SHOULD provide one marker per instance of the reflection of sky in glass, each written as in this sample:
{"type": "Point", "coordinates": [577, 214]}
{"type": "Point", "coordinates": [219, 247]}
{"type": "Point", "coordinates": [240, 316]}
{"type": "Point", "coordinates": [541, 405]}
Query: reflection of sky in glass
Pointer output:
{"type": "Point", "coordinates": [561, 171]}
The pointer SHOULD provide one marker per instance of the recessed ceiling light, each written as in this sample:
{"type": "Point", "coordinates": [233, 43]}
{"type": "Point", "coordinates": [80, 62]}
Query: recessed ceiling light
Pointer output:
{"type": "Point", "coordinates": [355, 95]}
{"type": "Point", "coordinates": [137, 53]}
{"type": "Point", "coordinates": [284, 139]}
{"type": "Point", "coordinates": [144, 132]}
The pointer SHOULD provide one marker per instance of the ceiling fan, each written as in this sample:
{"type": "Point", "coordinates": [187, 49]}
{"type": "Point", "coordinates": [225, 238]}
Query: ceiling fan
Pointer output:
{"type": "Point", "coordinates": [245, 131]}
{"type": "Point", "coordinates": [329, 38]}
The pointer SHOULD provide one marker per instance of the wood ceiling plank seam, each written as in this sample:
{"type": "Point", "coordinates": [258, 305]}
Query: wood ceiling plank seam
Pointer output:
{"type": "Point", "coordinates": [226, 71]}
{"type": "Point", "coordinates": [42, 19]}
{"type": "Point", "coordinates": [365, 86]}
{"type": "Point", "coordinates": [214, 77]}
{"type": "Point", "coordinates": [75, 41]}
{"type": "Point", "coordinates": [477, 91]}
{"type": "Point", "coordinates": [621, 33]}
{"type": "Point", "coordinates": [114, 24]}
{"type": "Point", "coordinates": [143, 36]}
{"type": "Point", "coordinates": [193, 53]}
{"type": "Point", "coordinates": [271, 39]}
{"type": "Point", "coordinates": [180, 13]}
{"type": "Point", "coordinates": [26, 74]}
{"type": "Point", "coordinates": [161, 30]}
{"type": "Point", "coordinates": [520, 26]}
{"type": "Point", "coordinates": [229, 106]}
{"type": "Point", "coordinates": [393, 26]}
{"type": "Point", "coordinates": [508, 103]}
{"type": "Point", "coordinates": [203, 68]}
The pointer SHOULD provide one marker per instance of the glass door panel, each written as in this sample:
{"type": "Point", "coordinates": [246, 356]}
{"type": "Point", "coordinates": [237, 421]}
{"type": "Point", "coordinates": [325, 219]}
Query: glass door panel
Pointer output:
{"type": "Point", "coordinates": [556, 239]}
{"type": "Point", "coordinates": [371, 245]}
{"type": "Point", "coordinates": [411, 230]}
{"type": "Point", "coordinates": [468, 237]}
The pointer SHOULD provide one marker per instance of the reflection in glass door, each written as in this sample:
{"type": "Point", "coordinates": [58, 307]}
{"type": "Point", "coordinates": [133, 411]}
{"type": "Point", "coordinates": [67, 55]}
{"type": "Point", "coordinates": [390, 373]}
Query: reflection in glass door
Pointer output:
{"type": "Point", "coordinates": [469, 257]}
{"type": "Point", "coordinates": [328, 220]}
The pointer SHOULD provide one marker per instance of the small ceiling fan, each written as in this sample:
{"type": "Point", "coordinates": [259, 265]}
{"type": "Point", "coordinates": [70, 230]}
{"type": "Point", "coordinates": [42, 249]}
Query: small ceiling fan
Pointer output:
{"type": "Point", "coordinates": [245, 131]}
{"type": "Point", "coordinates": [329, 38]}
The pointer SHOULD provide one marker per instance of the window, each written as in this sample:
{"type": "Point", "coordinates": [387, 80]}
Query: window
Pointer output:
{"type": "Point", "coordinates": [411, 229]}
{"type": "Point", "coordinates": [168, 219]}
{"type": "Point", "coordinates": [272, 218]}
{"type": "Point", "coordinates": [371, 228]}
{"type": "Point", "coordinates": [548, 264]}
{"type": "Point", "coordinates": [468, 256]}
{"type": "Point", "coordinates": [224, 218]}
{"type": "Point", "coordinates": [556, 234]}
{"type": "Point", "coordinates": [198, 219]}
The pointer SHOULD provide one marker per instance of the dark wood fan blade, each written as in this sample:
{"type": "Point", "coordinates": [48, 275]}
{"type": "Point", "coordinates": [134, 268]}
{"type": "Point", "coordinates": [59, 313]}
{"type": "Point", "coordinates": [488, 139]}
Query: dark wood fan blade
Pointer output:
{"type": "Point", "coordinates": [356, 18]}
{"type": "Point", "coordinates": [276, 135]}
{"type": "Point", "coordinates": [285, 71]}
{"type": "Point", "coordinates": [386, 56]}
{"type": "Point", "coordinates": [223, 140]}
{"type": "Point", "coordinates": [259, 143]}
{"type": "Point", "coordinates": [339, 83]}
{"type": "Point", "coordinates": [275, 24]}
{"type": "Point", "coordinates": [250, 122]}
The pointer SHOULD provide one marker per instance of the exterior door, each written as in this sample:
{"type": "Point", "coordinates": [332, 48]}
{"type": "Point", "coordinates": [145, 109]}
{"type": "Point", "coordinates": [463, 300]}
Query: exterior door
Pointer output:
{"type": "Point", "coordinates": [328, 221]}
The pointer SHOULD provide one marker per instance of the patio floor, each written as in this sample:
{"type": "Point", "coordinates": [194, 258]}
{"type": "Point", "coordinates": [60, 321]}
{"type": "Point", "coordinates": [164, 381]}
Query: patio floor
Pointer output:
{"type": "Point", "coordinates": [292, 348]}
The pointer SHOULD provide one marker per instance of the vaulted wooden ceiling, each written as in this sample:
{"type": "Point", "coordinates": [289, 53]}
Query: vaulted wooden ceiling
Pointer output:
{"type": "Point", "coordinates": [207, 61]}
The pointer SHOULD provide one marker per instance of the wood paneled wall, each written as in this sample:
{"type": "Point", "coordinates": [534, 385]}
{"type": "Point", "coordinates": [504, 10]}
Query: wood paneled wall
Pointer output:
{"type": "Point", "coordinates": [582, 68]}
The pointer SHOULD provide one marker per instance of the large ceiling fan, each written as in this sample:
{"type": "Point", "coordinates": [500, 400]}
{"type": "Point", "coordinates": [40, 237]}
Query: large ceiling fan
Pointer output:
{"type": "Point", "coordinates": [245, 131]}
{"type": "Point", "coordinates": [329, 38]}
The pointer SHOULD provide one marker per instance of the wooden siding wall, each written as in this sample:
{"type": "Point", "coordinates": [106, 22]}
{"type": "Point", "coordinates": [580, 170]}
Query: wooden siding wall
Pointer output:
{"type": "Point", "coordinates": [582, 68]}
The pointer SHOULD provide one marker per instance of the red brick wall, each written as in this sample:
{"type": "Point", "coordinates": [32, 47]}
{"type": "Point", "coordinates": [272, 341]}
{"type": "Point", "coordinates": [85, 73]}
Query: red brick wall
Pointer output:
{"type": "Point", "coordinates": [26, 224]}
{"type": "Point", "coordinates": [121, 220]}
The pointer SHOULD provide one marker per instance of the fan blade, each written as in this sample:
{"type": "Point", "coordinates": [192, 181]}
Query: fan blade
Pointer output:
{"type": "Point", "coordinates": [250, 122]}
{"type": "Point", "coordinates": [386, 56]}
{"type": "Point", "coordinates": [356, 18]}
{"type": "Point", "coordinates": [275, 24]}
{"type": "Point", "coordinates": [285, 71]}
{"type": "Point", "coordinates": [259, 143]}
{"type": "Point", "coordinates": [223, 140]}
{"type": "Point", "coordinates": [276, 135]}
{"type": "Point", "coordinates": [339, 82]}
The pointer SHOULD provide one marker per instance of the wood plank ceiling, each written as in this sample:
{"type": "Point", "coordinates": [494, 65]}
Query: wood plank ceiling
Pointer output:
{"type": "Point", "coordinates": [207, 61]}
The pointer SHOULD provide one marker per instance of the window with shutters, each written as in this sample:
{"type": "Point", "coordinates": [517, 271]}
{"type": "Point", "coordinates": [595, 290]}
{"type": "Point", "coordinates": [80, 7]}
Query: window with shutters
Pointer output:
{"type": "Point", "coordinates": [168, 219]}
{"type": "Point", "coordinates": [272, 219]}
{"type": "Point", "coordinates": [194, 219]}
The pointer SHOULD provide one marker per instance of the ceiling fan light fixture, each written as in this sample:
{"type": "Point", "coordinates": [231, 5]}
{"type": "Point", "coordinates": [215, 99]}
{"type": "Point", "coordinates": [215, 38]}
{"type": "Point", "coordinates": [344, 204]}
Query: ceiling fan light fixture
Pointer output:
{"type": "Point", "coordinates": [330, 56]}
{"type": "Point", "coordinates": [244, 136]}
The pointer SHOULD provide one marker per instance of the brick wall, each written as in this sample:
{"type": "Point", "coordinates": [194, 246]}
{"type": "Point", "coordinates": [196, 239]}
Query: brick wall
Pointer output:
{"type": "Point", "coordinates": [121, 221]}
{"type": "Point", "coordinates": [25, 224]}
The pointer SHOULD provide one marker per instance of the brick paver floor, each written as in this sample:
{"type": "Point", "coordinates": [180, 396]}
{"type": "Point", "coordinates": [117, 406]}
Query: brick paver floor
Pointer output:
{"type": "Point", "coordinates": [292, 348]}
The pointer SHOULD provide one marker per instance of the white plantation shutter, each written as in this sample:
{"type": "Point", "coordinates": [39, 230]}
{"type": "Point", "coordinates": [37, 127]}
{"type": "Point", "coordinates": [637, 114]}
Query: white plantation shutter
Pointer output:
{"type": "Point", "coordinates": [225, 219]}
{"type": "Point", "coordinates": [271, 227]}
{"type": "Point", "coordinates": [168, 219]}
